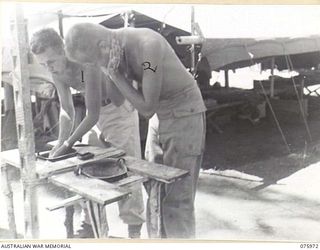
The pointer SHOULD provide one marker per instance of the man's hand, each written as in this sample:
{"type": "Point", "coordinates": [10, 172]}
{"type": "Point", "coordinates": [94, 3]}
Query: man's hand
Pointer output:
{"type": "Point", "coordinates": [62, 150]}
{"type": "Point", "coordinates": [114, 57]}
{"type": "Point", "coordinates": [54, 149]}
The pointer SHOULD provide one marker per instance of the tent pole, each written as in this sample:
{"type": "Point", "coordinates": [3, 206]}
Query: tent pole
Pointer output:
{"type": "Point", "coordinates": [126, 19]}
{"type": "Point", "coordinates": [226, 78]}
{"type": "Point", "coordinates": [272, 78]}
{"type": "Point", "coordinates": [24, 125]}
{"type": "Point", "coordinates": [60, 19]}
{"type": "Point", "coordinates": [192, 46]}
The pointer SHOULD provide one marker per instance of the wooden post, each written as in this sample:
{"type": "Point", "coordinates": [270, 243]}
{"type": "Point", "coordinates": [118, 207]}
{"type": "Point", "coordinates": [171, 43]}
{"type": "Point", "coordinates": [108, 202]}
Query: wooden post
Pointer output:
{"type": "Point", "coordinates": [68, 221]}
{"type": "Point", "coordinates": [304, 104]}
{"type": "Point", "coordinates": [7, 191]}
{"type": "Point", "coordinates": [98, 218]}
{"type": "Point", "coordinates": [302, 88]}
{"type": "Point", "coordinates": [226, 78]}
{"type": "Point", "coordinates": [192, 46]}
{"type": "Point", "coordinates": [272, 78]}
{"type": "Point", "coordinates": [60, 20]}
{"type": "Point", "coordinates": [126, 19]}
{"type": "Point", "coordinates": [154, 220]}
{"type": "Point", "coordinates": [24, 123]}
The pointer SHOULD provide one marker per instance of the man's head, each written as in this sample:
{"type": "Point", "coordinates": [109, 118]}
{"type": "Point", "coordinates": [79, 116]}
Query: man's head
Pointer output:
{"type": "Point", "coordinates": [48, 47]}
{"type": "Point", "coordinates": [89, 43]}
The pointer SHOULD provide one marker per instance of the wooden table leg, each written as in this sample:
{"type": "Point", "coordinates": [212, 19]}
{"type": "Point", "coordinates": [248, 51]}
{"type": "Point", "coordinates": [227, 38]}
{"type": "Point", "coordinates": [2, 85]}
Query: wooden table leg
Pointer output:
{"type": "Point", "coordinates": [154, 221]}
{"type": "Point", "coordinates": [69, 221]}
{"type": "Point", "coordinates": [7, 191]}
{"type": "Point", "coordinates": [98, 219]}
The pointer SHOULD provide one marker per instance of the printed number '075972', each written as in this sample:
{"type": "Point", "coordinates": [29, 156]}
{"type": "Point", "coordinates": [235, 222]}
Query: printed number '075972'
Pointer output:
{"type": "Point", "coordinates": [308, 246]}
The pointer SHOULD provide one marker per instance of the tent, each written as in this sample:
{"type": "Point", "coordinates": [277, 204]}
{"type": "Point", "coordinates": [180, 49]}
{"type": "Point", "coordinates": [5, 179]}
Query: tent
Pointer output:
{"type": "Point", "coordinates": [223, 54]}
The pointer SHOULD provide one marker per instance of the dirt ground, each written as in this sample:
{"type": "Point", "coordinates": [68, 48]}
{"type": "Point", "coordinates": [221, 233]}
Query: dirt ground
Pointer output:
{"type": "Point", "coordinates": [250, 187]}
{"type": "Point", "coordinates": [259, 149]}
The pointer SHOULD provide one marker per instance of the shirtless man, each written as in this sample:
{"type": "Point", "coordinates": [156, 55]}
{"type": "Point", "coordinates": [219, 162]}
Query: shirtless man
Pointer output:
{"type": "Point", "coordinates": [167, 89]}
{"type": "Point", "coordinates": [118, 125]}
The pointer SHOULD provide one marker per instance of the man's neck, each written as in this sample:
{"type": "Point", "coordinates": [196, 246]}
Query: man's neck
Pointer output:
{"type": "Point", "coordinates": [120, 35]}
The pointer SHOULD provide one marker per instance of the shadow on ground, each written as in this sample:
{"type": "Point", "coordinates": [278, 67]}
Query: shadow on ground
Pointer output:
{"type": "Point", "coordinates": [260, 150]}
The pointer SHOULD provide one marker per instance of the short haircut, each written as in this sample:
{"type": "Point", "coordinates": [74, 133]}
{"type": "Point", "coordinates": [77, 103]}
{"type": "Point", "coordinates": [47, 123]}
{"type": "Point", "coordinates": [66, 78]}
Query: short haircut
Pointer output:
{"type": "Point", "coordinates": [83, 36]}
{"type": "Point", "coordinates": [44, 39]}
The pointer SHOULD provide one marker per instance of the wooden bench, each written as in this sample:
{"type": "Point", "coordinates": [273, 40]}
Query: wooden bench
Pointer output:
{"type": "Point", "coordinates": [98, 193]}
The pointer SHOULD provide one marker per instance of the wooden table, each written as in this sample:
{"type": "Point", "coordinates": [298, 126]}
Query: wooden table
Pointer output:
{"type": "Point", "coordinates": [98, 193]}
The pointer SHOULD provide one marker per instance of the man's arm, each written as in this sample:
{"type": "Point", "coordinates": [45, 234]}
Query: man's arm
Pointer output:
{"type": "Point", "coordinates": [92, 78]}
{"type": "Point", "coordinates": [147, 101]}
{"type": "Point", "coordinates": [67, 113]}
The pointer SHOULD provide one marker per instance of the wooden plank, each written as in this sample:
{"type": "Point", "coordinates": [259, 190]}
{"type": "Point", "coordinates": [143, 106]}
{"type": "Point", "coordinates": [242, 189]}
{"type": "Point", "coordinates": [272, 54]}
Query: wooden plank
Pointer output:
{"type": "Point", "coordinates": [153, 170]}
{"type": "Point", "coordinates": [130, 180]}
{"type": "Point", "coordinates": [92, 189]}
{"type": "Point", "coordinates": [126, 182]}
{"type": "Point", "coordinates": [66, 202]}
{"type": "Point", "coordinates": [48, 168]}
{"type": "Point", "coordinates": [147, 169]}
{"type": "Point", "coordinates": [11, 157]}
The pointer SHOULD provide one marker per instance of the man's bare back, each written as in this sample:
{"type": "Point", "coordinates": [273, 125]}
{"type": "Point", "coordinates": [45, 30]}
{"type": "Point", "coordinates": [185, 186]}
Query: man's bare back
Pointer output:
{"type": "Point", "coordinates": [175, 78]}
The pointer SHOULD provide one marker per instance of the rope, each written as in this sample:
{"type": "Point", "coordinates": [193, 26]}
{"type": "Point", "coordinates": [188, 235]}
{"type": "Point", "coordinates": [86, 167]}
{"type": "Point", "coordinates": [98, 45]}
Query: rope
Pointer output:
{"type": "Point", "coordinates": [270, 106]}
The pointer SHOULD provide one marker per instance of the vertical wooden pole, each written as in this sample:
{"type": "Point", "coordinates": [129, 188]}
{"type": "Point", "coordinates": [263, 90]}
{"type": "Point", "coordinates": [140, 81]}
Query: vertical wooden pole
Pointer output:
{"type": "Point", "coordinates": [60, 20]}
{"type": "Point", "coordinates": [24, 123]}
{"type": "Point", "coordinates": [302, 88]}
{"type": "Point", "coordinates": [68, 222]}
{"type": "Point", "coordinates": [98, 218]}
{"type": "Point", "coordinates": [126, 19]}
{"type": "Point", "coordinates": [7, 191]}
{"type": "Point", "coordinates": [272, 78]}
{"type": "Point", "coordinates": [226, 78]}
{"type": "Point", "coordinates": [192, 46]}
{"type": "Point", "coordinates": [304, 104]}
{"type": "Point", "coordinates": [154, 219]}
